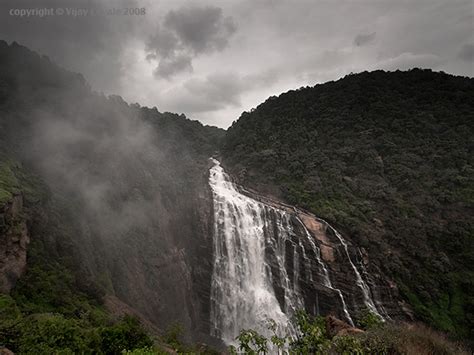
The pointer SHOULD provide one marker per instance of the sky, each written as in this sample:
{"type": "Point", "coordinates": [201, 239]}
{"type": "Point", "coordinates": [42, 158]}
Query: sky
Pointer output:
{"type": "Point", "coordinates": [212, 60]}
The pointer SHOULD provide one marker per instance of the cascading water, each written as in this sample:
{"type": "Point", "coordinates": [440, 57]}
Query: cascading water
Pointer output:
{"type": "Point", "coordinates": [252, 281]}
{"type": "Point", "coordinates": [242, 292]}
{"type": "Point", "coordinates": [326, 279]}
{"type": "Point", "coordinates": [360, 281]}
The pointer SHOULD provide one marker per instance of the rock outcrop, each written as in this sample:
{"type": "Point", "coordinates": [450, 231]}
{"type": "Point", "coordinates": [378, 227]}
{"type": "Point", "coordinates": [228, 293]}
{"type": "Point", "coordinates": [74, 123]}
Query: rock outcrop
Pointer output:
{"type": "Point", "coordinates": [14, 239]}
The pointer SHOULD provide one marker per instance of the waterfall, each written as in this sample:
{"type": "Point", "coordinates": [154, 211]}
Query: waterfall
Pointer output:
{"type": "Point", "coordinates": [359, 280]}
{"type": "Point", "coordinates": [327, 280]}
{"type": "Point", "coordinates": [257, 261]}
{"type": "Point", "coordinates": [242, 291]}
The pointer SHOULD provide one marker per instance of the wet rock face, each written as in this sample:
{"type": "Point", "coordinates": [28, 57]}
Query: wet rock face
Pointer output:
{"type": "Point", "coordinates": [164, 271]}
{"type": "Point", "coordinates": [381, 290]}
{"type": "Point", "coordinates": [331, 273]}
{"type": "Point", "coordinates": [14, 239]}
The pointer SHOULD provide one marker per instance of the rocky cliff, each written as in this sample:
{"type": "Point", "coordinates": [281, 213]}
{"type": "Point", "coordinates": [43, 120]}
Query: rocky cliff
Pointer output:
{"type": "Point", "coordinates": [342, 260]}
{"type": "Point", "coordinates": [14, 240]}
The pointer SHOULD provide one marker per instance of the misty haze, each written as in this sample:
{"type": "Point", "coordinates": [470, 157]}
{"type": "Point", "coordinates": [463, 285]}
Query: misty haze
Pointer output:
{"type": "Point", "coordinates": [236, 177]}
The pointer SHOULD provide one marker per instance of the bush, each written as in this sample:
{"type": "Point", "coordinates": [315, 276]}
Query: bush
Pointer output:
{"type": "Point", "coordinates": [381, 339]}
{"type": "Point", "coordinates": [368, 320]}
{"type": "Point", "coordinates": [127, 334]}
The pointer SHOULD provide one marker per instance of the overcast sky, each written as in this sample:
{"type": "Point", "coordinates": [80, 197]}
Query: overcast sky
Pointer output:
{"type": "Point", "coordinates": [214, 59]}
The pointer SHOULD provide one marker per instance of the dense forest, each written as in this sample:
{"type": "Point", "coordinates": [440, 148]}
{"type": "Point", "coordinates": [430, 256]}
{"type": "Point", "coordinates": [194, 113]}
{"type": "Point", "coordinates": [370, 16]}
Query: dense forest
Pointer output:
{"type": "Point", "coordinates": [387, 157]}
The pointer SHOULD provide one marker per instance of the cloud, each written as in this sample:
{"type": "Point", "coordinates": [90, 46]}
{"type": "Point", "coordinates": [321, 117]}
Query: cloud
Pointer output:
{"type": "Point", "coordinates": [224, 88]}
{"type": "Point", "coordinates": [467, 52]}
{"type": "Point", "coordinates": [216, 91]}
{"type": "Point", "coordinates": [82, 43]}
{"type": "Point", "coordinates": [185, 34]}
{"type": "Point", "coordinates": [169, 66]}
{"type": "Point", "coordinates": [363, 39]}
{"type": "Point", "coordinates": [213, 92]}
{"type": "Point", "coordinates": [202, 29]}
{"type": "Point", "coordinates": [277, 46]}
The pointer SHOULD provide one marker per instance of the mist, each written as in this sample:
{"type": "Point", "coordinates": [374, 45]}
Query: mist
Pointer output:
{"type": "Point", "coordinates": [127, 188]}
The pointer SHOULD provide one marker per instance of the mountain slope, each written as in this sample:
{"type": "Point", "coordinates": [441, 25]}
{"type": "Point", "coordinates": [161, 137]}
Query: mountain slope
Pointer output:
{"type": "Point", "coordinates": [388, 158]}
{"type": "Point", "coordinates": [115, 200]}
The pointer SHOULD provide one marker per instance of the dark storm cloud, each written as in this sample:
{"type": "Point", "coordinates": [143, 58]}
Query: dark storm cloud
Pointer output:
{"type": "Point", "coordinates": [213, 71]}
{"type": "Point", "coordinates": [186, 33]}
{"type": "Point", "coordinates": [363, 39]}
{"type": "Point", "coordinates": [467, 52]}
{"type": "Point", "coordinates": [169, 66]}
{"type": "Point", "coordinates": [202, 29]}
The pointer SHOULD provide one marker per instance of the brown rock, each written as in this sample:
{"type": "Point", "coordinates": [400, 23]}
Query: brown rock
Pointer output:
{"type": "Point", "coordinates": [317, 228]}
{"type": "Point", "coordinates": [327, 253]}
{"type": "Point", "coordinates": [337, 327]}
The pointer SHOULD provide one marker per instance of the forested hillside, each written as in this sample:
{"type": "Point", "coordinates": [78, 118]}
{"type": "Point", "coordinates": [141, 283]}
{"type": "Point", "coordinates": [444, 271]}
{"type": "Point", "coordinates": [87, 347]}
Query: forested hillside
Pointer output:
{"type": "Point", "coordinates": [98, 203]}
{"type": "Point", "coordinates": [387, 157]}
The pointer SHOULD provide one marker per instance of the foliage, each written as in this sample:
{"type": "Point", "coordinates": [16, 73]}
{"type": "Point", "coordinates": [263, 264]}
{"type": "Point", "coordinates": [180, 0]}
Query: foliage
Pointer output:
{"type": "Point", "coordinates": [311, 334]}
{"type": "Point", "coordinates": [46, 333]}
{"type": "Point", "coordinates": [348, 345]}
{"type": "Point", "coordinates": [387, 158]}
{"type": "Point", "coordinates": [312, 338]}
{"type": "Point", "coordinates": [8, 181]}
{"type": "Point", "coordinates": [173, 339]}
{"type": "Point", "coordinates": [8, 308]}
{"type": "Point", "coordinates": [126, 334]}
{"type": "Point", "coordinates": [173, 336]}
{"type": "Point", "coordinates": [251, 342]}
{"type": "Point", "coordinates": [49, 310]}
{"type": "Point", "coordinates": [145, 351]}
{"type": "Point", "coordinates": [368, 320]}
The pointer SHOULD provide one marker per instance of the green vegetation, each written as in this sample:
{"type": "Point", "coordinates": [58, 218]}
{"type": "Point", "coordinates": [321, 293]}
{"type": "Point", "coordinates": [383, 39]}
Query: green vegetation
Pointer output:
{"type": "Point", "coordinates": [8, 182]}
{"type": "Point", "coordinates": [48, 333]}
{"type": "Point", "coordinates": [388, 159]}
{"type": "Point", "coordinates": [173, 340]}
{"type": "Point", "coordinates": [368, 320]}
{"type": "Point", "coordinates": [14, 178]}
{"type": "Point", "coordinates": [313, 337]}
{"type": "Point", "coordinates": [49, 312]}
{"type": "Point", "coordinates": [56, 308]}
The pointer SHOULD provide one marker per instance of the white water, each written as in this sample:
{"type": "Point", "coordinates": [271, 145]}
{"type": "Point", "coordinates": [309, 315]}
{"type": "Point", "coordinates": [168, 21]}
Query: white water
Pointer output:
{"type": "Point", "coordinates": [327, 280]}
{"type": "Point", "coordinates": [359, 280]}
{"type": "Point", "coordinates": [242, 292]}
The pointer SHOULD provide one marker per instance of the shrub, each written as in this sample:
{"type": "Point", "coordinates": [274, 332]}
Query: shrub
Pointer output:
{"type": "Point", "coordinates": [368, 320]}
{"type": "Point", "coordinates": [127, 334]}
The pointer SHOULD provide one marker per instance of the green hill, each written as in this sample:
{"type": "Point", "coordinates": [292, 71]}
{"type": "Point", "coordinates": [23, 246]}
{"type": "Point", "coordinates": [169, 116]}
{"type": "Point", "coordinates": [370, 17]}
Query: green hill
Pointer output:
{"type": "Point", "coordinates": [388, 158]}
